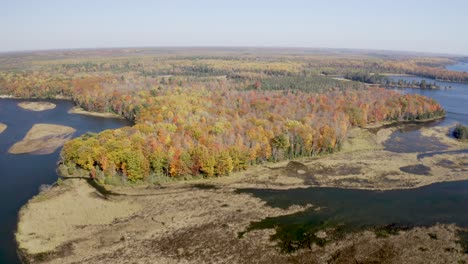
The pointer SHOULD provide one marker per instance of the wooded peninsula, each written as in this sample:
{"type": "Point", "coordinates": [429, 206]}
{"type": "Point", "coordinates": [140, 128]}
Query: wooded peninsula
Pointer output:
{"type": "Point", "coordinates": [202, 112]}
{"type": "Point", "coordinates": [153, 191]}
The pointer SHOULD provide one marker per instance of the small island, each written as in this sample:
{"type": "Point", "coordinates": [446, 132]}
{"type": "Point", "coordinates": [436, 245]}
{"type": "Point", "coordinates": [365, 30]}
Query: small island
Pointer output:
{"type": "Point", "coordinates": [2, 127]}
{"type": "Point", "coordinates": [43, 139]}
{"type": "Point", "coordinates": [37, 106]}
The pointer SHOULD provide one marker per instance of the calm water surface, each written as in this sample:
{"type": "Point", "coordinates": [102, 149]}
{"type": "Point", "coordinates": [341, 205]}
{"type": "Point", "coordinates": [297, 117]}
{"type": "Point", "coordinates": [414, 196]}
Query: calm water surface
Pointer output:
{"type": "Point", "coordinates": [454, 99]}
{"type": "Point", "coordinates": [21, 175]}
{"type": "Point", "coordinates": [460, 67]}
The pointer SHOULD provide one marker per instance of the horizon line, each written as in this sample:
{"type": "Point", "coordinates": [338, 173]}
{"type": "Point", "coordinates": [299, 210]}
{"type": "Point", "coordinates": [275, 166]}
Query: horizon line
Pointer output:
{"type": "Point", "coordinates": [235, 47]}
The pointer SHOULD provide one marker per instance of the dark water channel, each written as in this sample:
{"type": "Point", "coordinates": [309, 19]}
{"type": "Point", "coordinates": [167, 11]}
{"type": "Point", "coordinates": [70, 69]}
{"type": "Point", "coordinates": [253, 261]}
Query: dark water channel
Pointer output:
{"type": "Point", "coordinates": [21, 175]}
{"type": "Point", "coordinates": [347, 210]}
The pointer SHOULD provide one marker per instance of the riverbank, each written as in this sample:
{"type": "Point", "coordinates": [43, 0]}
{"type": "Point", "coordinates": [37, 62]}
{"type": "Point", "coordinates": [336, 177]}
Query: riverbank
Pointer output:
{"type": "Point", "coordinates": [199, 221]}
{"type": "Point", "coordinates": [381, 125]}
{"type": "Point", "coordinates": [81, 111]}
{"type": "Point", "coordinates": [56, 97]}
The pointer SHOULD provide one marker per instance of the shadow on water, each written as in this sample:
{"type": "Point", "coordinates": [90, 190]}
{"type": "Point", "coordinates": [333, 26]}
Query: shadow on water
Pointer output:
{"type": "Point", "coordinates": [341, 211]}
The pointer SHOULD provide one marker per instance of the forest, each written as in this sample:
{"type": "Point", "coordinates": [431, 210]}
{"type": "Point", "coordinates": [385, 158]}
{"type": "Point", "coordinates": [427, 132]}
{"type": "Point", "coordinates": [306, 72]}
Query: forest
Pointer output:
{"type": "Point", "coordinates": [212, 112]}
{"type": "Point", "coordinates": [370, 78]}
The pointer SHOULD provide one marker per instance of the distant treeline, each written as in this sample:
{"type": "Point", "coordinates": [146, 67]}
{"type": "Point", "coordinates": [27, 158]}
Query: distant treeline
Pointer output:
{"type": "Point", "coordinates": [371, 78]}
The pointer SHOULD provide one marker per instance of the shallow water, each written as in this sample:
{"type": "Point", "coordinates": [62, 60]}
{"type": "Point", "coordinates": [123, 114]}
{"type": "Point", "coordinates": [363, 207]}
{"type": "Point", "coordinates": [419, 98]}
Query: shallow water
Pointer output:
{"type": "Point", "coordinates": [21, 175]}
{"type": "Point", "coordinates": [409, 141]}
{"type": "Point", "coordinates": [453, 99]}
{"type": "Point", "coordinates": [349, 210]}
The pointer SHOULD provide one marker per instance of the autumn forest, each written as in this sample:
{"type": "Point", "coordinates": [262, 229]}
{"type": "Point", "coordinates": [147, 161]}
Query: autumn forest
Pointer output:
{"type": "Point", "coordinates": [200, 112]}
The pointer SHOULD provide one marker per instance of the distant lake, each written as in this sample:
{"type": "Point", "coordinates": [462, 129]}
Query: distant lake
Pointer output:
{"type": "Point", "coordinates": [454, 99]}
{"type": "Point", "coordinates": [460, 67]}
{"type": "Point", "coordinates": [21, 175]}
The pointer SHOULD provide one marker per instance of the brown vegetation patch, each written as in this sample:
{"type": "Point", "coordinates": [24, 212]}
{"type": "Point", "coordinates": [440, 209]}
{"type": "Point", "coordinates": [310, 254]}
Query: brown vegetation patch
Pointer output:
{"type": "Point", "coordinates": [81, 111]}
{"type": "Point", "coordinates": [43, 139]}
{"type": "Point", "coordinates": [37, 106]}
{"type": "Point", "coordinates": [338, 170]}
{"type": "Point", "coordinates": [60, 214]}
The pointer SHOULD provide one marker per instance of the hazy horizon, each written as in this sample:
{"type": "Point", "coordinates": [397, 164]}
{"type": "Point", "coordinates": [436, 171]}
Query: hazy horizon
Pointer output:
{"type": "Point", "coordinates": [403, 26]}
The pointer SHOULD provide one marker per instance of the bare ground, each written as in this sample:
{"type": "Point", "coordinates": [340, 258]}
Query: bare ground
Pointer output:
{"type": "Point", "coordinates": [37, 106]}
{"type": "Point", "coordinates": [199, 221]}
{"type": "Point", "coordinates": [43, 139]}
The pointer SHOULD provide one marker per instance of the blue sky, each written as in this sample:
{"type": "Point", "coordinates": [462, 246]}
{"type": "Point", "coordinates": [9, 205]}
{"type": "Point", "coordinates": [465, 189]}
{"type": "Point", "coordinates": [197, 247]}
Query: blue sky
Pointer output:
{"type": "Point", "coordinates": [412, 25]}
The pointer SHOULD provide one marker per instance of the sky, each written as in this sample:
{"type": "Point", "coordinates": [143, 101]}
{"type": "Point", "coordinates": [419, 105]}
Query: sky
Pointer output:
{"type": "Point", "coordinates": [408, 25]}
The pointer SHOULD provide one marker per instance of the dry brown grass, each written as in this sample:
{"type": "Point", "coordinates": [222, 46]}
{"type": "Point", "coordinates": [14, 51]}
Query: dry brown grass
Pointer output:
{"type": "Point", "coordinates": [199, 221]}
{"type": "Point", "coordinates": [43, 139]}
{"type": "Point", "coordinates": [81, 111]}
{"type": "Point", "coordinates": [37, 106]}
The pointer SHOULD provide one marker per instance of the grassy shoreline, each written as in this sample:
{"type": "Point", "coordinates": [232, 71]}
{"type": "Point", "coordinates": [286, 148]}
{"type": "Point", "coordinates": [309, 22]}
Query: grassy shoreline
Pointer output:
{"type": "Point", "coordinates": [81, 111]}
{"type": "Point", "coordinates": [197, 202]}
{"type": "Point", "coordinates": [62, 169]}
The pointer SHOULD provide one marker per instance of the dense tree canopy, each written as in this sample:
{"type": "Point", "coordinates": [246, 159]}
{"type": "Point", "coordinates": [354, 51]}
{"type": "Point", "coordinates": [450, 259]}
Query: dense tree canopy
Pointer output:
{"type": "Point", "coordinates": [214, 131]}
{"type": "Point", "coordinates": [214, 114]}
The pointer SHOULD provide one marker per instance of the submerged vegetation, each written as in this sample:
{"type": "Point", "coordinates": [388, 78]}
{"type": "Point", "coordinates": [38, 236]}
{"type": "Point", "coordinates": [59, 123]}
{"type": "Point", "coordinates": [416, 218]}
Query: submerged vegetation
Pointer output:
{"type": "Point", "coordinates": [338, 212]}
{"type": "Point", "coordinates": [212, 112]}
{"type": "Point", "coordinates": [460, 132]}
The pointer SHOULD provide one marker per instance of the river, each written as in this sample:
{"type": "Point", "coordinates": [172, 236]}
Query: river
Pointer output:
{"type": "Point", "coordinates": [21, 175]}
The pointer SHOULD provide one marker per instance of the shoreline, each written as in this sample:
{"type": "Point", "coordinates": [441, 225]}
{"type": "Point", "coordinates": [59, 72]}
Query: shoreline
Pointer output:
{"type": "Point", "coordinates": [74, 110]}
{"type": "Point", "coordinates": [80, 111]}
{"type": "Point", "coordinates": [396, 123]}
{"type": "Point", "coordinates": [193, 203]}
{"type": "Point", "coordinates": [380, 131]}
{"type": "Point", "coordinates": [57, 97]}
